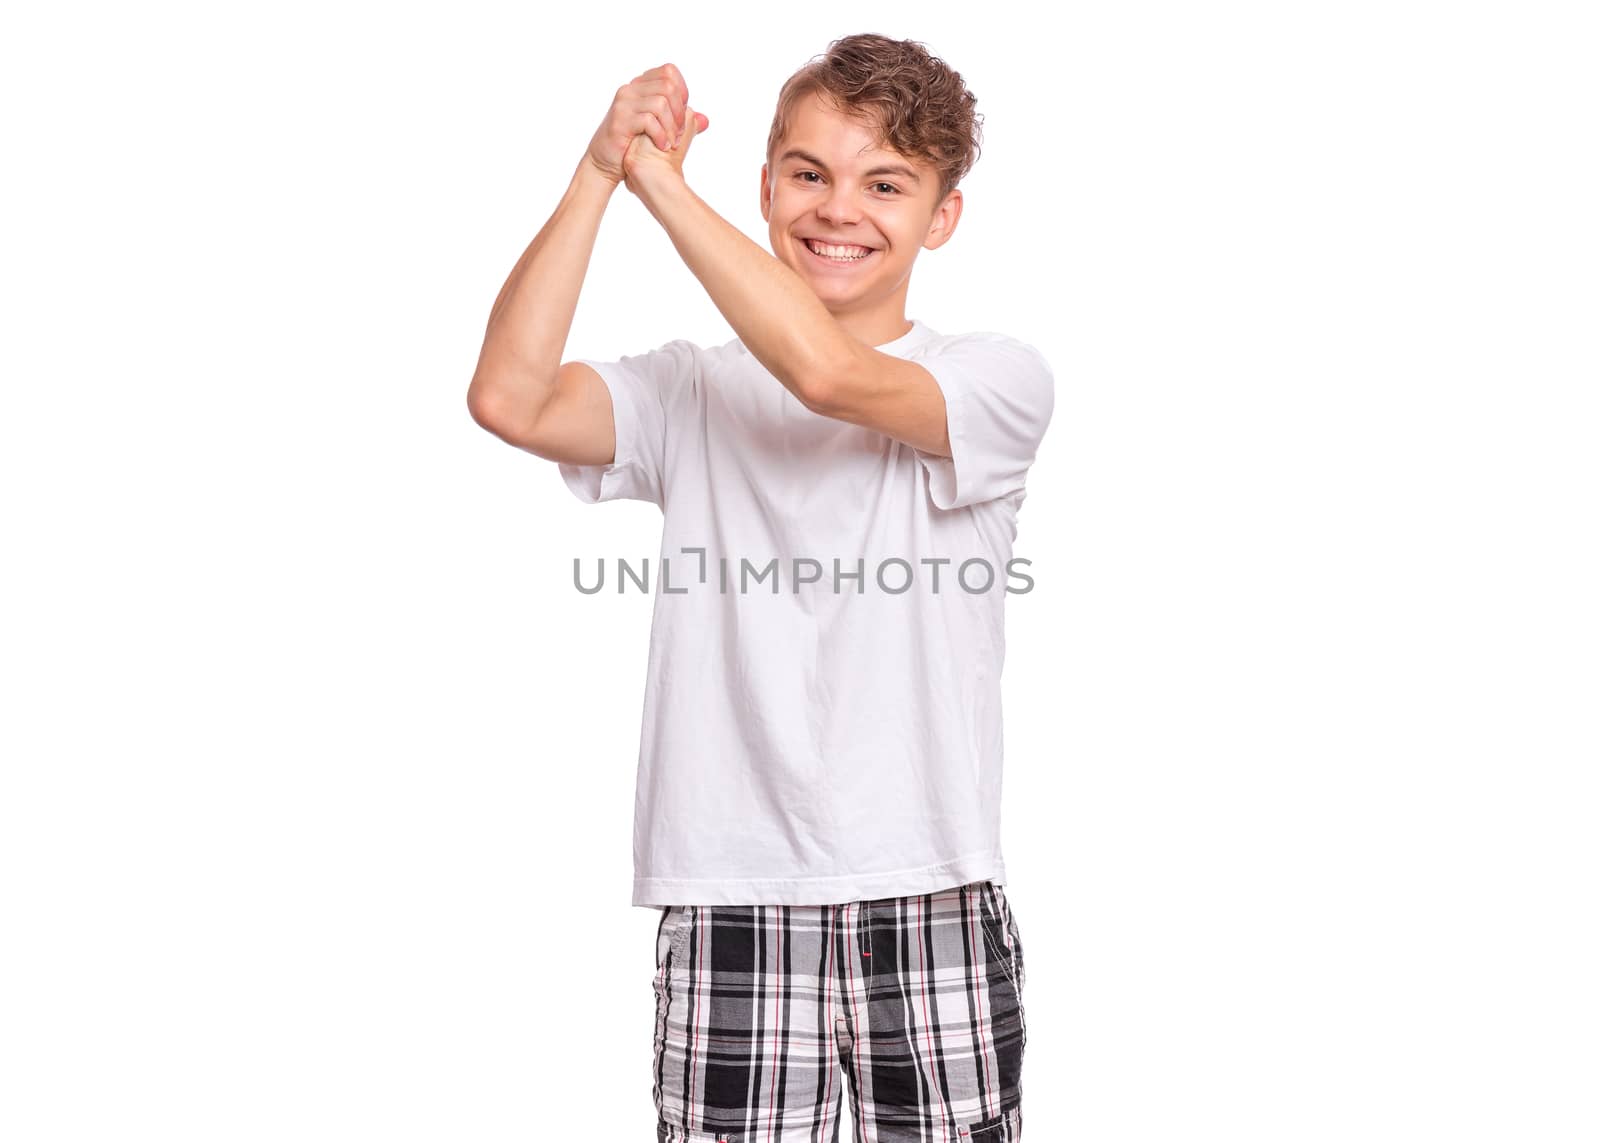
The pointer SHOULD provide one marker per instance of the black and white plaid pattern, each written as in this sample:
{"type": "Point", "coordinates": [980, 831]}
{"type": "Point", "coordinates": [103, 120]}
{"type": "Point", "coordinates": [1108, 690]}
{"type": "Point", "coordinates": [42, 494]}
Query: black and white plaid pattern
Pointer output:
{"type": "Point", "coordinates": [767, 1014]}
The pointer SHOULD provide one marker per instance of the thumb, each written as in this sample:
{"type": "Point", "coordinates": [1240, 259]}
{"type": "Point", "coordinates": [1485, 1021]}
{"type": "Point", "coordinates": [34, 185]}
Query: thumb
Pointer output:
{"type": "Point", "coordinates": [693, 124]}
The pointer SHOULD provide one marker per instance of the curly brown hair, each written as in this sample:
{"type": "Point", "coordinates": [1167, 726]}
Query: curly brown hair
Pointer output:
{"type": "Point", "coordinates": [916, 102]}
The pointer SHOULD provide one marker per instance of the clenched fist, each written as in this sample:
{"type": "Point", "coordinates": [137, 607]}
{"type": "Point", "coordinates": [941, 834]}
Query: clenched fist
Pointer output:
{"type": "Point", "coordinates": [650, 122]}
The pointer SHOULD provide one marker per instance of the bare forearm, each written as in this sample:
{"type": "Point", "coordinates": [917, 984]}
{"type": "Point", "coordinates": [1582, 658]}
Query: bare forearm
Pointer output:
{"type": "Point", "coordinates": [777, 316]}
{"type": "Point", "coordinates": [531, 317]}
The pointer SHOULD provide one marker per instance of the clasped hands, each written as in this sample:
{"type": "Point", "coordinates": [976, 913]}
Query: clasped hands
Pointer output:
{"type": "Point", "coordinates": [647, 132]}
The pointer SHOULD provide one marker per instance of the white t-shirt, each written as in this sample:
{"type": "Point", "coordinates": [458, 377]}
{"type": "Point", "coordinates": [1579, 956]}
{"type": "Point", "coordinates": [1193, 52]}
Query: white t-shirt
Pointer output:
{"type": "Point", "coordinates": [838, 740]}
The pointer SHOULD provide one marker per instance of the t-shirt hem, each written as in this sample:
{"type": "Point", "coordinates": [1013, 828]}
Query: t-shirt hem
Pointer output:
{"type": "Point", "coordinates": [986, 865]}
{"type": "Point", "coordinates": [948, 475]}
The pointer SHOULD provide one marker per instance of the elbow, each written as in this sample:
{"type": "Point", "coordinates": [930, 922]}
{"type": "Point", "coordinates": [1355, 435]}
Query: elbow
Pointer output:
{"type": "Point", "coordinates": [485, 408]}
{"type": "Point", "coordinates": [817, 396]}
{"type": "Point", "coordinates": [494, 411]}
{"type": "Point", "coordinates": [826, 384]}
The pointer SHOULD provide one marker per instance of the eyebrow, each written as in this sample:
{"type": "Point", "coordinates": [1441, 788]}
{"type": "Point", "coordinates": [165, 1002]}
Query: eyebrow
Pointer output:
{"type": "Point", "coordinates": [883, 169]}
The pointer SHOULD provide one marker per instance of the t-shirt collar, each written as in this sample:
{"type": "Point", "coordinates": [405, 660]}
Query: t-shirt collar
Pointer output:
{"type": "Point", "coordinates": [908, 340]}
{"type": "Point", "coordinates": [913, 337]}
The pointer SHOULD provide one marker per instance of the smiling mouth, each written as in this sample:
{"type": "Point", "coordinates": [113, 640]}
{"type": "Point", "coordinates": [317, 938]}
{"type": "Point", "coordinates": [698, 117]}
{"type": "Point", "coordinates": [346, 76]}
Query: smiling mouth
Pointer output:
{"type": "Point", "coordinates": [842, 256]}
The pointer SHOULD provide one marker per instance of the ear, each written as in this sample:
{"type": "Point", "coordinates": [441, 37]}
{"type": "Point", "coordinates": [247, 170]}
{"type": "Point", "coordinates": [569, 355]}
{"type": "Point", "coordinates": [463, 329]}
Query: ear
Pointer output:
{"type": "Point", "coordinates": [766, 196]}
{"type": "Point", "coordinates": [943, 223]}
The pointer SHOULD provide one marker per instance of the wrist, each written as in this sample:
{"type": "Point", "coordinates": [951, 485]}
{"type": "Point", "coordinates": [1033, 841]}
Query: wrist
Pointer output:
{"type": "Point", "coordinates": [592, 177]}
{"type": "Point", "coordinates": [658, 188]}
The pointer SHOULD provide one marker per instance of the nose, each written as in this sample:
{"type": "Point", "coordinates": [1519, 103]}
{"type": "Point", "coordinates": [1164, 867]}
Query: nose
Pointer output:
{"type": "Point", "coordinates": [838, 206]}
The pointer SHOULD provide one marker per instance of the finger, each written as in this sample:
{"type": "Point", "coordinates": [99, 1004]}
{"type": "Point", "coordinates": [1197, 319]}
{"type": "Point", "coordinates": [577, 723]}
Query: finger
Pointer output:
{"type": "Point", "coordinates": [669, 74]}
{"type": "Point", "coordinates": [655, 83]}
{"type": "Point", "coordinates": [648, 114]}
{"type": "Point", "coordinates": [661, 107]}
{"type": "Point", "coordinates": [694, 123]}
{"type": "Point", "coordinates": [677, 88]}
{"type": "Point", "coordinates": [660, 87]}
{"type": "Point", "coordinates": [668, 112]}
{"type": "Point", "coordinates": [681, 86]}
{"type": "Point", "coordinates": [648, 124]}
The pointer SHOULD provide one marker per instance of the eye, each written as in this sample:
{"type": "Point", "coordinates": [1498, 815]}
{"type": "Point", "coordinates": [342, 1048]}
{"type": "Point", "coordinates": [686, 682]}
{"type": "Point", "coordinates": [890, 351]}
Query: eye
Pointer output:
{"type": "Point", "coordinates": [891, 186]}
{"type": "Point", "coordinates": [803, 174]}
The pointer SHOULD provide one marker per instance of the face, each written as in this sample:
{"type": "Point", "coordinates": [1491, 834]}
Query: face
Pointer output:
{"type": "Point", "coordinates": [830, 179]}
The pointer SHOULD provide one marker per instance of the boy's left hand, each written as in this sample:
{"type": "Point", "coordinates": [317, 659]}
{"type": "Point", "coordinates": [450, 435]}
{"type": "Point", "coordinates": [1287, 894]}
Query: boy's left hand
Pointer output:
{"type": "Point", "coordinates": [644, 164]}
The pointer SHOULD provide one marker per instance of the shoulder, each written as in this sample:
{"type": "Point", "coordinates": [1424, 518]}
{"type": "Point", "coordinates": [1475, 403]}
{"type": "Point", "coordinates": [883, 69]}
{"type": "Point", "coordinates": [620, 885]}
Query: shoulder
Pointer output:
{"type": "Point", "coordinates": [730, 357]}
{"type": "Point", "coordinates": [985, 359]}
{"type": "Point", "coordinates": [730, 353]}
{"type": "Point", "coordinates": [704, 358]}
{"type": "Point", "coordinates": [669, 364]}
{"type": "Point", "coordinates": [981, 344]}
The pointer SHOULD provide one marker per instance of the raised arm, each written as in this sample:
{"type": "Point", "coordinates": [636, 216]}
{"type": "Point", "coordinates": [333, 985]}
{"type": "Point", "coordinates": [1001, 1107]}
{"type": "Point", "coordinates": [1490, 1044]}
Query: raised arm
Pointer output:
{"type": "Point", "coordinates": [520, 391]}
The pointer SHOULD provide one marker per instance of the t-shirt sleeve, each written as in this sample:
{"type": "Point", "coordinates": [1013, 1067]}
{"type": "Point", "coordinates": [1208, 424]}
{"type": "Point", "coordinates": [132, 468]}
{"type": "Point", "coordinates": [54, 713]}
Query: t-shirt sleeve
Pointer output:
{"type": "Point", "coordinates": [642, 387]}
{"type": "Point", "coordinates": [999, 394]}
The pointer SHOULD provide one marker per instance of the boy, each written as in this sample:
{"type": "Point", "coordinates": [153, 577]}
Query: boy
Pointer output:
{"type": "Point", "coordinates": [818, 801]}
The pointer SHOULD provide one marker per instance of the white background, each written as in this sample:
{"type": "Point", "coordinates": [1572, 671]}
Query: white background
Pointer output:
{"type": "Point", "coordinates": [318, 773]}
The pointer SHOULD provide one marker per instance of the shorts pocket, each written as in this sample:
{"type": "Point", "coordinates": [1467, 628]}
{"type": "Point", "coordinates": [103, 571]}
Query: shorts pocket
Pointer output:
{"type": "Point", "coordinates": [1016, 951]}
{"type": "Point", "coordinates": [1013, 937]}
{"type": "Point", "coordinates": [999, 931]}
{"type": "Point", "coordinates": [671, 934]}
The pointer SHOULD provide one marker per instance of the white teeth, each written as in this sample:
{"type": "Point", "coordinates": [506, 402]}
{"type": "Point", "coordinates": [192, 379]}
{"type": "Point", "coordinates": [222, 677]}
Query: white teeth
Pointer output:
{"type": "Point", "coordinates": [838, 253]}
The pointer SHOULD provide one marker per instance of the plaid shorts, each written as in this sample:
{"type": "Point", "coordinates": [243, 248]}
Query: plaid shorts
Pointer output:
{"type": "Point", "coordinates": [917, 1000]}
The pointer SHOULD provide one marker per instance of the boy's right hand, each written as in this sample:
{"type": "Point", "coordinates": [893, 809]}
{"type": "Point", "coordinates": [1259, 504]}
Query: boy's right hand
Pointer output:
{"type": "Point", "coordinates": [653, 103]}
